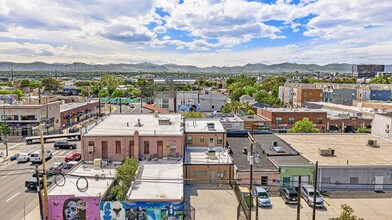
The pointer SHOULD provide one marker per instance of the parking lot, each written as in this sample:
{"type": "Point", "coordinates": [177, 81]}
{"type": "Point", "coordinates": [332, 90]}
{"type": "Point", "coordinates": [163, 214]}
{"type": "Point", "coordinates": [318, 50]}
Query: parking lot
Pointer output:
{"type": "Point", "coordinates": [367, 205]}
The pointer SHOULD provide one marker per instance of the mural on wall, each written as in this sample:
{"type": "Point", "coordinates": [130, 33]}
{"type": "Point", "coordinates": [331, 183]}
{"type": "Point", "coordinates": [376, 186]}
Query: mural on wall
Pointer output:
{"type": "Point", "coordinates": [115, 210]}
{"type": "Point", "coordinates": [69, 207]}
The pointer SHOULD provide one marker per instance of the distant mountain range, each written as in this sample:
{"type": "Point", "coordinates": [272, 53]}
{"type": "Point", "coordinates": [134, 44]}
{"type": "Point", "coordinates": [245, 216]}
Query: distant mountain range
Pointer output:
{"type": "Point", "coordinates": [149, 67]}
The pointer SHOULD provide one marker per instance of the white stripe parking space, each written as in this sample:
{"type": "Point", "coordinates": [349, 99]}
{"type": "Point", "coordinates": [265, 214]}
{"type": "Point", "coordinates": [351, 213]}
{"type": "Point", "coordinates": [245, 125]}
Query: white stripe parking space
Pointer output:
{"type": "Point", "coordinates": [7, 175]}
{"type": "Point", "coordinates": [12, 197]}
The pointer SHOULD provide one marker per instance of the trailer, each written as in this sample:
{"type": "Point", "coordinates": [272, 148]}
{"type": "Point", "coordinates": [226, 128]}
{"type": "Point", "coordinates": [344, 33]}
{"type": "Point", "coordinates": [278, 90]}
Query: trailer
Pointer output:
{"type": "Point", "coordinates": [30, 140]}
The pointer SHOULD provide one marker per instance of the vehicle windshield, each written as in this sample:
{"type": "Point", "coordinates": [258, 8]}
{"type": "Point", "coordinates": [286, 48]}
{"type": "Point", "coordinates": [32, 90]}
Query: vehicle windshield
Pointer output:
{"type": "Point", "coordinates": [70, 154]}
{"type": "Point", "coordinates": [262, 195]}
{"type": "Point", "coordinates": [311, 193]}
{"type": "Point", "coordinates": [34, 155]}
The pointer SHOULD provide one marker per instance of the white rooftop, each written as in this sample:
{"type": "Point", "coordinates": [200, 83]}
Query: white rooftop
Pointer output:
{"type": "Point", "coordinates": [200, 155]}
{"type": "Point", "coordinates": [95, 187]}
{"type": "Point", "coordinates": [121, 125]}
{"type": "Point", "coordinates": [199, 125]}
{"type": "Point", "coordinates": [159, 181]}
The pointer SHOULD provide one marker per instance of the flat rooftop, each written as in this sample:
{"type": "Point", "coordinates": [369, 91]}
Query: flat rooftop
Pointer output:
{"type": "Point", "coordinates": [200, 155]}
{"type": "Point", "coordinates": [72, 105]}
{"type": "Point", "coordinates": [253, 118]}
{"type": "Point", "coordinates": [350, 149]}
{"type": "Point", "coordinates": [240, 160]}
{"type": "Point", "coordinates": [95, 187]}
{"type": "Point", "coordinates": [126, 125]}
{"type": "Point", "coordinates": [295, 110]}
{"type": "Point", "coordinates": [199, 125]}
{"type": "Point", "coordinates": [158, 182]}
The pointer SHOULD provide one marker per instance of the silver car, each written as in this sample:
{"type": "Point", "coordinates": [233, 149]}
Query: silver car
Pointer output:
{"type": "Point", "coordinates": [308, 193]}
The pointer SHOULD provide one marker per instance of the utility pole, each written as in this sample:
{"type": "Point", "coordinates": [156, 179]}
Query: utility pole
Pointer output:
{"type": "Point", "coordinates": [44, 173]}
{"type": "Point", "coordinates": [257, 205]}
{"type": "Point", "coordinates": [251, 177]}
{"type": "Point", "coordinates": [315, 190]}
{"type": "Point", "coordinates": [39, 191]}
{"type": "Point", "coordinates": [5, 131]}
{"type": "Point", "coordinates": [299, 199]}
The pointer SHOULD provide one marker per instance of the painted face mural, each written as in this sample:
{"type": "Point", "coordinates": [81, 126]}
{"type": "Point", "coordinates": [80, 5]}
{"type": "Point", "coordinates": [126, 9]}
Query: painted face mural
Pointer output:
{"type": "Point", "coordinates": [71, 211]}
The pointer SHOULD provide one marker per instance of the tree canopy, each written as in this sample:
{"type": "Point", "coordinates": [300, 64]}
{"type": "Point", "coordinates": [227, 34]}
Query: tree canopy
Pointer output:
{"type": "Point", "coordinates": [103, 93]}
{"type": "Point", "coordinates": [50, 83]}
{"type": "Point", "coordinates": [24, 83]}
{"type": "Point", "coordinates": [118, 93]}
{"type": "Point", "coordinates": [125, 175]}
{"type": "Point", "coordinates": [193, 115]}
{"type": "Point", "coordinates": [304, 126]}
{"type": "Point", "coordinates": [346, 214]}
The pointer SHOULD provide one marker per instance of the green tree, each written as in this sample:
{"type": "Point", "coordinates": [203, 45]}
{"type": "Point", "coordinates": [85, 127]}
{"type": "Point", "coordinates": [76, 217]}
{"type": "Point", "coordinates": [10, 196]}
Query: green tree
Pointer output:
{"type": "Point", "coordinates": [236, 94]}
{"type": "Point", "coordinates": [103, 93]}
{"type": "Point", "coordinates": [362, 130]}
{"type": "Point", "coordinates": [304, 126]}
{"type": "Point", "coordinates": [187, 87]}
{"type": "Point", "coordinates": [24, 83]}
{"type": "Point", "coordinates": [125, 175]}
{"type": "Point", "coordinates": [250, 112]}
{"type": "Point", "coordinates": [110, 82]}
{"type": "Point", "coordinates": [346, 214]}
{"type": "Point", "coordinates": [267, 98]}
{"type": "Point", "coordinates": [193, 115]}
{"type": "Point", "coordinates": [6, 129]}
{"type": "Point", "coordinates": [250, 90]}
{"type": "Point", "coordinates": [35, 84]}
{"type": "Point", "coordinates": [50, 83]}
{"type": "Point", "coordinates": [136, 93]}
{"type": "Point", "coordinates": [380, 80]}
{"type": "Point", "coordinates": [19, 93]}
{"type": "Point", "coordinates": [118, 93]}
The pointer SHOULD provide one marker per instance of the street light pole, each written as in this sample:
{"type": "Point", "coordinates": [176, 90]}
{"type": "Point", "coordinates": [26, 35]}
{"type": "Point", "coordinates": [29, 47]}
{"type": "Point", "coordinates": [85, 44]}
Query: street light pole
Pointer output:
{"type": "Point", "coordinates": [5, 131]}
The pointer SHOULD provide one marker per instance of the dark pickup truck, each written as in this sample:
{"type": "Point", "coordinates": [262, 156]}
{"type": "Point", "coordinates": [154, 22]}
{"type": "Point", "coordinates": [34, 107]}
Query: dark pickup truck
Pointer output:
{"type": "Point", "coordinates": [64, 145]}
{"type": "Point", "coordinates": [32, 183]}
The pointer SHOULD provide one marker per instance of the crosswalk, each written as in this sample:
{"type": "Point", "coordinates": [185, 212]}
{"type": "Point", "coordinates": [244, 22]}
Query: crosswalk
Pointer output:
{"type": "Point", "coordinates": [60, 153]}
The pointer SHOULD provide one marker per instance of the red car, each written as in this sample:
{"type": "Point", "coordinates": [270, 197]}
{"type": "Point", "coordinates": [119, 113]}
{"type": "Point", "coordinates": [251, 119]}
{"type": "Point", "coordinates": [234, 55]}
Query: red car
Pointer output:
{"type": "Point", "coordinates": [73, 156]}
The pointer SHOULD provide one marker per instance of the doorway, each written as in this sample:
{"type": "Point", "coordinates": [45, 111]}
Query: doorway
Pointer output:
{"type": "Point", "coordinates": [212, 176]}
{"type": "Point", "coordinates": [160, 148]}
{"type": "Point", "coordinates": [104, 150]}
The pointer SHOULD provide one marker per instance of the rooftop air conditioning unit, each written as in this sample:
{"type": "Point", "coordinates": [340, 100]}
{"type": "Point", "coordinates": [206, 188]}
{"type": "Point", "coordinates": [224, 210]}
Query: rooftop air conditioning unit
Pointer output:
{"type": "Point", "coordinates": [372, 143]}
{"type": "Point", "coordinates": [98, 163]}
{"type": "Point", "coordinates": [326, 151]}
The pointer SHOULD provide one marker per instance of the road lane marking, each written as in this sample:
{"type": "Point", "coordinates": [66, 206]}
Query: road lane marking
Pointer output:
{"type": "Point", "coordinates": [16, 145]}
{"type": "Point", "coordinates": [54, 153]}
{"type": "Point", "coordinates": [7, 175]}
{"type": "Point", "coordinates": [12, 197]}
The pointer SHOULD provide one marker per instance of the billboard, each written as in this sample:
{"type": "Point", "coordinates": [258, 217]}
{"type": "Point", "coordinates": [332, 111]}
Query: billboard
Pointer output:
{"type": "Point", "coordinates": [188, 108]}
{"type": "Point", "coordinates": [69, 207]}
{"type": "Point", "coordinates": [115, 210]}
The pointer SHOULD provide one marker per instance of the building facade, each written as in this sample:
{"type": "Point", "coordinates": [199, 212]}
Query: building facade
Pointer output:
{"type": "Point", "coordinates": [367, 71]}
{"type": "Point", "coordinates": [212, 101]}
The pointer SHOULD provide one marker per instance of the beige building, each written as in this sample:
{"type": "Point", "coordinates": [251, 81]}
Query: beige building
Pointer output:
{"type": "Point", "coordinates": [204, 132]}
{"type": "Point", "coordinates": [25, 119]}
{"type": "Point", "coordinates": [136, 136]}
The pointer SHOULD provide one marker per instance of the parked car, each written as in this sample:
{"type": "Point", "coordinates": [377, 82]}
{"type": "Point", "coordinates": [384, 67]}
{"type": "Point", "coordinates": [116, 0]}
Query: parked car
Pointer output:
{"type": "Point", "coordinates": [73, 156]}
{"type": "Point", "coordinates": [289, 195]}
{"type": "Point", "coordinates": [14, 157]}
{"type": "Point", "coordinates": [58, 166]}
{"type": "Point", "coordinates": [307, 192]}
{"type": "Point", "coordinates": [262, 196]}
{"type": "Point", "coordinates": [73, 130]}
{"type": "Point", "coordinates": [36, 157]}
{"type": "Point", "coordinates": [49, 173]}
{"type": "Point", "coordinates": [24, 157]}
{"type": "Point", "coordinates": [70, 165]}
{"type": "Point", "coordinates": [31, 183]}
{"type": "Point", "coordinates": [64, 145]}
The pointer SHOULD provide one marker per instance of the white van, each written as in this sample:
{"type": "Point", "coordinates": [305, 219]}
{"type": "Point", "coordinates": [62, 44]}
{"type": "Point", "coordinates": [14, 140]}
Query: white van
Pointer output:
{"type": "Point", "coordinates": [36, 157]}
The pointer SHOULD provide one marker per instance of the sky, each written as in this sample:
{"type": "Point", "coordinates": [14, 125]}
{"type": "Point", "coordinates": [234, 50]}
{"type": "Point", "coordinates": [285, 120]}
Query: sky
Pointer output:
{"type": "Point", "coordinates": [196, 32]}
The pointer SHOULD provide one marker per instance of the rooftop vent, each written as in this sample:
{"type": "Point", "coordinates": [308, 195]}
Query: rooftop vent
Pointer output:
{"type": "Point", "coordinates": [164, 121]}
{"type": "Point", "coordinates": [211, 126]}
{"type": "Point", "coordinates": [326, 151]}
{"type": "Point", "coordinates": [372, 143]}
{"type": "Point", "coordinates": [138, 123]}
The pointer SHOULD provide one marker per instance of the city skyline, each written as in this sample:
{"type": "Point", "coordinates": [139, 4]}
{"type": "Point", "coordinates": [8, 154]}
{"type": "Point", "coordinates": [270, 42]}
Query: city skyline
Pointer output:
{"type": "Point", "coordinates": [201, 33]}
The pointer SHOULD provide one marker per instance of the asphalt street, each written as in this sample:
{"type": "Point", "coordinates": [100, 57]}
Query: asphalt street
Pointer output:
{"type": "Point", "coordinates": [133, 109]}
{"type": "Point", "coordinates": [16, 200]}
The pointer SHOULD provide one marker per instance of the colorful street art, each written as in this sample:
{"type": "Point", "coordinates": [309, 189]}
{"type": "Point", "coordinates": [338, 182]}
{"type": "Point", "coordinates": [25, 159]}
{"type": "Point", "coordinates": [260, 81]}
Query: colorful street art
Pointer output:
{"type": "Point", "coordinates": [69, 207]}
{"type": "Point", "coordinates": [141, 210]}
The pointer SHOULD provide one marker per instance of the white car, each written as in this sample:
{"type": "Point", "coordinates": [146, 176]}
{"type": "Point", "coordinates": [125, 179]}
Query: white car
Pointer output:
{"type": "Point", "coordinates": [25, 157]}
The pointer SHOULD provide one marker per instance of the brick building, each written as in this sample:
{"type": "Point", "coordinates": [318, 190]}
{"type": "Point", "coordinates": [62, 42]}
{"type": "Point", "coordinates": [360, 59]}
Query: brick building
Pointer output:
{"type": "Point", "coordinates": [283, 119]}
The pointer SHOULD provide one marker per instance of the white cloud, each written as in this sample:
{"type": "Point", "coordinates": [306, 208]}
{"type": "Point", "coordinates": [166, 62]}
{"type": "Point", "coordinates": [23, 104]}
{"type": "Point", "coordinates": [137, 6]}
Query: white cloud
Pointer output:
{"type": "Point", "coordinates": [160, 30]}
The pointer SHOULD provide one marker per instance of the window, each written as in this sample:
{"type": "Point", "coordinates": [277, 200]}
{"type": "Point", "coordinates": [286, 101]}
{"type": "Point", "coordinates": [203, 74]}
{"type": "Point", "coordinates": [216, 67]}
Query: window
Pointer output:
{"type": "Point", "coordinates": [278, 120]}
{"type": "Point", "coordinates": [264, 180]}
{"type": "Point", "coordinates": [200, 173]}
{"type": "Point", "coordinates": [118, 147]}
{"type": "Point", "coordinates": [146, 147]}
{"type": "Point", "coordinates": [219, 140]}
{"type": "Point", "coordinates": [326, 180]}
{"type": "Point", "coordinates": [201, 138]}
{"type": "Point", "coordinates": [91, 143]}
{"type": "Point", "coordinates": [319, 120]}
{"type": "Point", "coordinates": [212, 107]}
{"type": "Point", "coordinates": [28, 117]}
{"type": "Point", "coordinates": [165, 103]}
{"type": "Point", "coordinates": [189, 139]}
{"type": "Point", "coordinates": [291, 120]}
{"type": "Point", "coordinates": [10, 117]}
{"type": "Point", "coordinates": [353, 180]}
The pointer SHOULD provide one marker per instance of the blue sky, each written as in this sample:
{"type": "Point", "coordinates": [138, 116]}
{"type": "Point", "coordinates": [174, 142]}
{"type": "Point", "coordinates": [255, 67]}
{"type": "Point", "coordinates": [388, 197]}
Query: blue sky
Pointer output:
{"type": "Point", "coordinates": [196, 32]}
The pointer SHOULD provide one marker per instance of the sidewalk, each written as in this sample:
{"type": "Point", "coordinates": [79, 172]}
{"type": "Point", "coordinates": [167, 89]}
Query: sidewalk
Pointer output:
{"type": "Point", "coordinates": [33, 215]}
